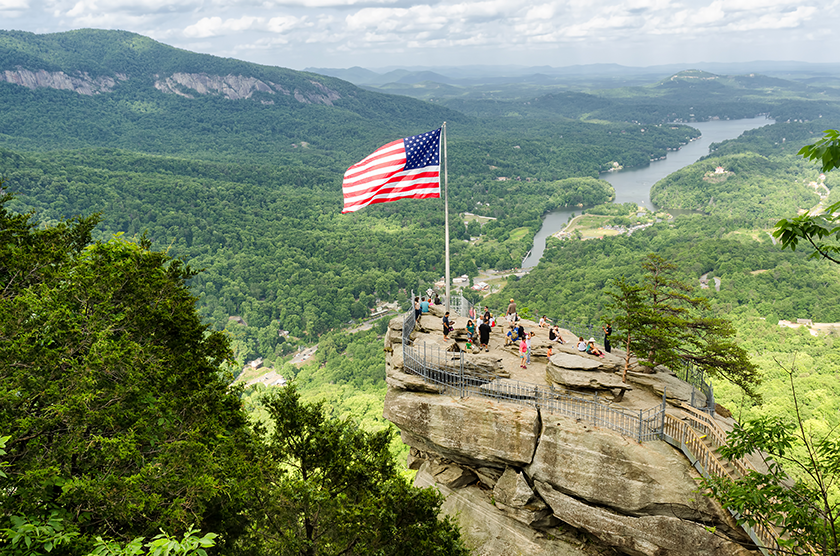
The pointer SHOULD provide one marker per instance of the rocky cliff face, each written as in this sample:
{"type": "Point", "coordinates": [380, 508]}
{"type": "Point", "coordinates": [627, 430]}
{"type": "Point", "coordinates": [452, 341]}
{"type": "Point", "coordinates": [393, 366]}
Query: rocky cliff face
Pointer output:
{"type": "Point", "coordinates": [521, 480]}
{"type": "Point", "coordinates": [188, 85]}
{"type": "Point", "coordinates": [81, 83]}
{"type": "Point", "coordinates": [235, 87]}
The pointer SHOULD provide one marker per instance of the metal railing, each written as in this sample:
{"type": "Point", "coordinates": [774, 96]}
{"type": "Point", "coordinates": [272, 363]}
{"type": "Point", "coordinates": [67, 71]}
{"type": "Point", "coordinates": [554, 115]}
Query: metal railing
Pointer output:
{"type": "Point", "coordinates": [697, 378]}
{"type": "Point", "coordinates": [461, 306]}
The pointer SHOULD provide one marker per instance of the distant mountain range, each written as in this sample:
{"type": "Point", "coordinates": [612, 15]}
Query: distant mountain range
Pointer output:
{"type": "Point", "coordinates": [475, 75]}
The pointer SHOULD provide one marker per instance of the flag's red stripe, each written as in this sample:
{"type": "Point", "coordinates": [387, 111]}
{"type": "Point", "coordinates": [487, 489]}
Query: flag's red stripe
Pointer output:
{"type": "Point", "coordinates": [428, 177]}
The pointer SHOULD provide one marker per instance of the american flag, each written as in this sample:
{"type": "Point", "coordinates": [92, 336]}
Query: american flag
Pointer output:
{"type": "Point", "coordinates": [405, 169]}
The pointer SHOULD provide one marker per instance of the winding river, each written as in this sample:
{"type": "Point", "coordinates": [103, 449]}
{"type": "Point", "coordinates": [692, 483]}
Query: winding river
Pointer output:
{"type": "Point", "coordinates": [633, 185]}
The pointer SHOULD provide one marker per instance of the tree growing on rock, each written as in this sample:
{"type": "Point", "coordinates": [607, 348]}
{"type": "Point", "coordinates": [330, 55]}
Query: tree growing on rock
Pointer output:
{"type": "Point", "coordinates": [804, 510]}
{"type": "Point", "coordinates": [661, 322]}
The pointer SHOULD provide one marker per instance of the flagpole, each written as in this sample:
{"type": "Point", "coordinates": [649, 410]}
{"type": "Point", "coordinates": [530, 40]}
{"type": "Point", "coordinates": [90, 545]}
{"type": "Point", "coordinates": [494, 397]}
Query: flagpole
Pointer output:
{"type": "Point", "coordinates": [446, 213]}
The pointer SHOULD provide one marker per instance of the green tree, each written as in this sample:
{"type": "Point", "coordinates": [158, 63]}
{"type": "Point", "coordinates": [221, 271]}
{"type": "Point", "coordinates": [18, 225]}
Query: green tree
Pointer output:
{"type": "Point", "coordinates": [630, 315]}
{"type": "Point", "coordinates": [326, 487]}
{"type": "Point", "coordinates": [662, 323]}
{"type": "Point", "coordinates": [821, 231]}
{"type": "Point", "coordinates": [111, 389]}
{"type": "Point", "coordinates": [804, 509]}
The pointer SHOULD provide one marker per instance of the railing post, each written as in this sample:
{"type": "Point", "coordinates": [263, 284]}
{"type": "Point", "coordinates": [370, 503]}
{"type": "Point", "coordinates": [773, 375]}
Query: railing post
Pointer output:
{"type": "Point", "coordinates": [662, 420]}
{"type": "Point", "coordinates": [462, 374]}
{"type": "Point", "coordinates": [640, 426]}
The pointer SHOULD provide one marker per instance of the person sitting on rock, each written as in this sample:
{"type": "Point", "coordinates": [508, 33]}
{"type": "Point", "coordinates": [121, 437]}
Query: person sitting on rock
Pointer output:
{"type": "Point", "coordinates": [554, 335]}
{"type": "Point", "coordinates": [592, 350]}
{"type": "Point", "coordinates": [581, 344]}
{"type": "Point", "coordinates": [470, 330]}
{"type": "Point", "coordinates": [542, 324]}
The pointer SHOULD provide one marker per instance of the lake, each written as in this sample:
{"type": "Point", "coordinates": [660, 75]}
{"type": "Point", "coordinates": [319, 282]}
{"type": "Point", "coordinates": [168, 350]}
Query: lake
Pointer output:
{"type": "Point", "coordinates": [633, 185]}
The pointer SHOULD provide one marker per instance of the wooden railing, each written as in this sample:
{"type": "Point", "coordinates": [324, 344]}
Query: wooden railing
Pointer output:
{"type": "Point", "coordinates": [702, 421]}
{"type": "Point", "coordinates": [690, 433]}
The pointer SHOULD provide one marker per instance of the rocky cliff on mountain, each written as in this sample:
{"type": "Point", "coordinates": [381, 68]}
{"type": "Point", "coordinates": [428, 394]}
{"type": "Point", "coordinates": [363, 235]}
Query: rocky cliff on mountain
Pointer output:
{"type": "Point", "coordinates": [522, 480]}
{"type": "Point", "coordinates": [81, 83]}
{"type": "Point", "coordinates": [235, 87]}
{"type": "Point", "coordinates": [187, 85]}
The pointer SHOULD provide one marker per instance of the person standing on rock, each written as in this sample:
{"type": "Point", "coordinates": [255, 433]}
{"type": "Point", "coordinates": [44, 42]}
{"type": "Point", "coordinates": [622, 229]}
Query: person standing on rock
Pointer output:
{"type": "Point", "coordinates": [607, 331]}
{"type": "Point", "coordinates": [528, 343]}
{"type": "Point", "coordinates": [523, 352]}
{"type": "Point", "coordinates": [447, 326]}
{"type": "Point", "coordinates": [510, 315]}
{"type": "Point", "coordinates": [484, 335]}
{"type": "Point", "coordinates": [417, 311]}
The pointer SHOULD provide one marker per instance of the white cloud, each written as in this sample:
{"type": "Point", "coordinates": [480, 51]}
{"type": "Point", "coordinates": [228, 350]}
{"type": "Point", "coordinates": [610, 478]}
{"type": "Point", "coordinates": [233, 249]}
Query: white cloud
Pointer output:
{"type": "Point", "coordinates": [459, 31]}
{"type": "Point", "coordinates": [14, 5]}
{"type": "Point", "coordinates": [216, 26]}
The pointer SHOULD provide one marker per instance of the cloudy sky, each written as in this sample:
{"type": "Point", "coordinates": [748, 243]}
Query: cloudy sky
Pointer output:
{"type": "Point", "coordinates": [377, 33]}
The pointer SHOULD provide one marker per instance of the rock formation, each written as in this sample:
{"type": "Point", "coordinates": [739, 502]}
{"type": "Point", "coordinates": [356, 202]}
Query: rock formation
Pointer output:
{"type": "Point", "coordinates": [81, 83]}
{"type": "Point", "coordinates": [188, 85]}
{"type": "Point", "coordinates": [522, 480]}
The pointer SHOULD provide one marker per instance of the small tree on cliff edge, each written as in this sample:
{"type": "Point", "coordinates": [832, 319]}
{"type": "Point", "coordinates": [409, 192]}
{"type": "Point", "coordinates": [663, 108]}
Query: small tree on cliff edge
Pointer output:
{"type": "Point", "coordinates": [662, 323]}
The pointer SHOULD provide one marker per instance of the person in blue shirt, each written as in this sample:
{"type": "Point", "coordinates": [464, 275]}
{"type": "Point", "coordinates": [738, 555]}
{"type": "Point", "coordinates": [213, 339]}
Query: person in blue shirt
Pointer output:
{"type": "Point", "coordinates": [424, 306]}
{"type": "Point", "coordinates": [447, 326]}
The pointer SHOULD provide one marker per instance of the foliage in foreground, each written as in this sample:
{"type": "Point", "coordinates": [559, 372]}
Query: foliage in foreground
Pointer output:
{"type": "Point", "coordinates": [805, 510]}
{"type": "Point", "coordinates": [821, 231]}
{"type": "Point", "coordinates": [122, 424]}
{"type": "Point", "coordinates": [324, 486]}
{"type": "Point", "coordinates": [110, 387]}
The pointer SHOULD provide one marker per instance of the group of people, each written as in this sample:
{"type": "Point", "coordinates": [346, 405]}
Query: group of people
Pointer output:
{"type": "Point", "coordinates": [481, 329]}
{"type": "Point", "coordinates": [486, 322]}
{"type": "Point", "coordinates": [422, 304]}
{"type": "Point", "coordinates": [588, 346]}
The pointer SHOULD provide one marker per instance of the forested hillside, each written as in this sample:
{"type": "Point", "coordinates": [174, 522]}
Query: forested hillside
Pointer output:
{"type": "Point", "coordinates": [245, 183]}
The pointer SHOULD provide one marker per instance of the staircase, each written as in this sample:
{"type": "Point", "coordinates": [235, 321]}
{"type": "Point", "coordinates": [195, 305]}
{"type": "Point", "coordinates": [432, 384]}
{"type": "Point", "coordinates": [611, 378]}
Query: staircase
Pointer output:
{"type": "Point", "coordinates": [698, 436]}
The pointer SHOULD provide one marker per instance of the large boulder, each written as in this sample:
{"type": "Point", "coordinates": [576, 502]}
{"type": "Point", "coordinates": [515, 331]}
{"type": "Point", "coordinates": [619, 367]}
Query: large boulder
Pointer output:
{"type": "Point", "coordinates": [616, 472]}
{"type": "Point", "coordinates": [396, 378]}
{"type": "Point", "coordinates": [490, 532]}
{"type": "Point", "coordinates": [474, 431]}
{"type": "Point", "coordinates": [573, 362]}
{"type": "Point", "coordinates": [576, 380]}
{"type": "Point", "coordinates": [659, 535]}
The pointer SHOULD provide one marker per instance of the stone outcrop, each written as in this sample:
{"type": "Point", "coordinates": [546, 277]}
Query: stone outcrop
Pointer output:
{"type": "Point", "coordinates": [236, 87]}
{"type": "Point", "coordinates": [473, 431]}
{"type": "Point", "coordinates": [81, 83]}
{"type": "Point", "coordinates": [523, 481]}
{"type": "Point", "coordinates": [188, 85]}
